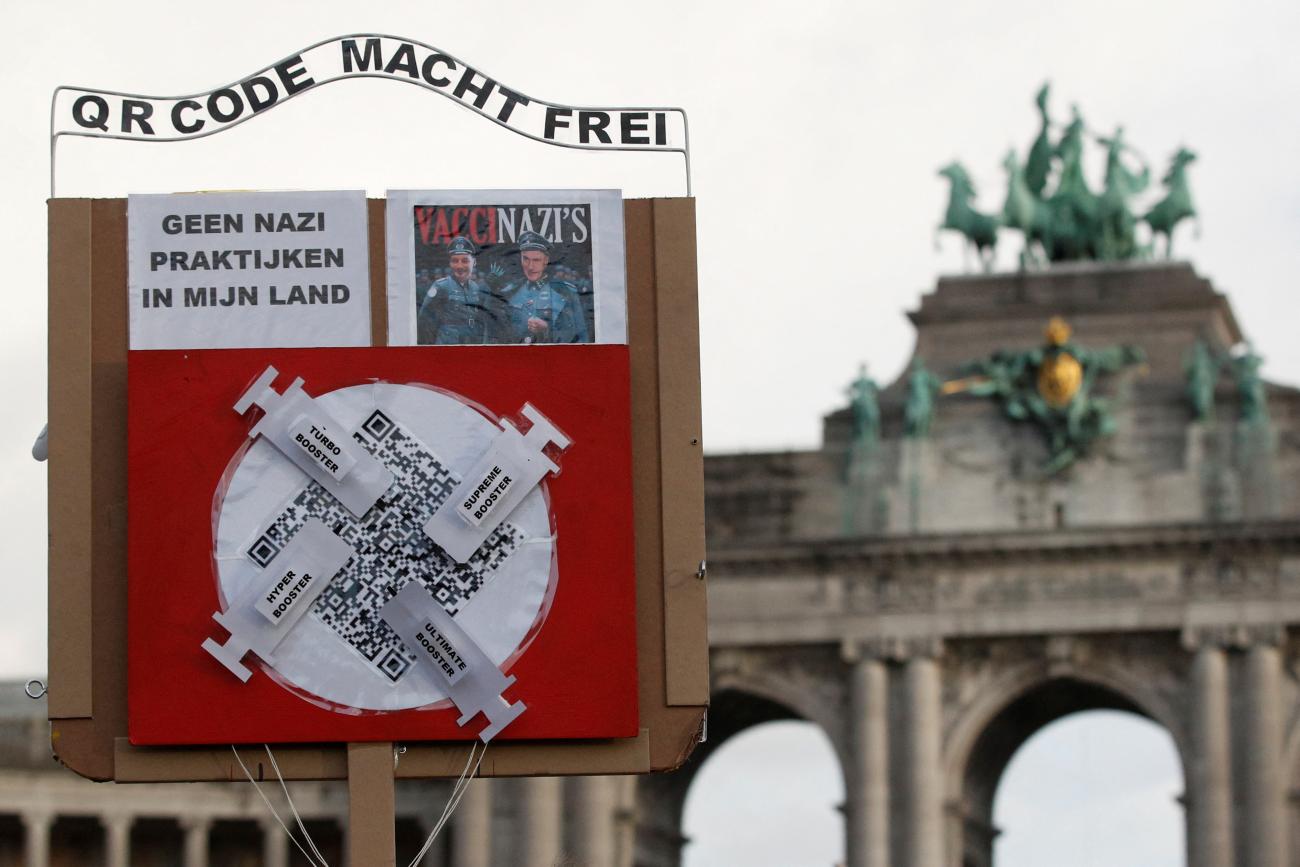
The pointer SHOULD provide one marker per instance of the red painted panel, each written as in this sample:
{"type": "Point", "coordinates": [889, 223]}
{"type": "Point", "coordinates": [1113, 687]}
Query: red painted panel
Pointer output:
{"type": "Point", "coordinates": [578, 676]}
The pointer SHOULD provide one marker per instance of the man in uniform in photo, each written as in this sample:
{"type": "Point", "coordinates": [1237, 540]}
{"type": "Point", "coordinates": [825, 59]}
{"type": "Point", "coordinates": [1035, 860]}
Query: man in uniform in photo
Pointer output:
{"type": "Point", "coordinates": [458, 309]}
{"type": "Point", "coordinates": [543, 310]}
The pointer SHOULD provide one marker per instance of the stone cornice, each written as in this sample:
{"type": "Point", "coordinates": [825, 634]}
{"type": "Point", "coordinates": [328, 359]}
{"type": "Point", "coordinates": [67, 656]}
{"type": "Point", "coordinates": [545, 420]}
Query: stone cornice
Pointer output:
{"type": "Point", "coordinates": [1266, 538]}
{"type": "Point", "coordinates": [1033, 311]}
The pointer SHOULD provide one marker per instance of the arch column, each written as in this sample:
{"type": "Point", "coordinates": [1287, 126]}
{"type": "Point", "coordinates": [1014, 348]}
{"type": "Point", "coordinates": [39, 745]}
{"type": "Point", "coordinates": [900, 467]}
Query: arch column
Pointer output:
{"type": "Point", "coordinates": [471, 838]}
{"type": "Point", "coordinates": [658, 839]}
{"type": "Point", "coordinates": [1263, 827]}
{"type": "Point", "coordinates": [275, 844]}
{"type": "Point", "coordinates": [117, 838]}
{"type": "Point", "coordinates": [867, 796]}
{"type": "Point", "coordinates": [439, 853]}
{"type": "Point", "coordinates": [541, 810]}
{"type": "Point", "coordinates": [345, 833]}
{"type": "Point", "coordinates": [1209, 783]}
{"type": "Point", "coordinates": [922, 813]}
{"type": "Point", "coordinates": [626, 815]}
{"type": "Point", "coordinates": [196, 840]}
{"type": "Point", "coordinates": [37, 825]}
{"type": "Point", "coordinates": [591, 819]}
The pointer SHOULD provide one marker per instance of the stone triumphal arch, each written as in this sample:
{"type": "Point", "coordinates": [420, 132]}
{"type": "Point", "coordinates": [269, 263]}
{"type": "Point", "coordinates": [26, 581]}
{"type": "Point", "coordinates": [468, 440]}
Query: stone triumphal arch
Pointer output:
{"type": "Point", "coordinates": [1023, 526]}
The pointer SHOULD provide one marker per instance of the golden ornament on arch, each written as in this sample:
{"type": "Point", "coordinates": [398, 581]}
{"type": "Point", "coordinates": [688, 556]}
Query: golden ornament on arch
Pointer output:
{"type": "Point", "coordinates": [1057, 331]}
{"type": "Point", "coordinates": [1059, 378]}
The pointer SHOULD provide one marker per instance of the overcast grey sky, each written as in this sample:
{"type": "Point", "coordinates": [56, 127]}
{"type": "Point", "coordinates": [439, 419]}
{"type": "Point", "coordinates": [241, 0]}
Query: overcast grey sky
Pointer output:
{"type": "Point", "coordinates": [817, 131]}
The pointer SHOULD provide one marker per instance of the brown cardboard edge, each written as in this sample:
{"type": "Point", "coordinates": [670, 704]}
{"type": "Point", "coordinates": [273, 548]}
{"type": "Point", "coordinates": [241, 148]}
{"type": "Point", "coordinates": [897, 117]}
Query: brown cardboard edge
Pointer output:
{"type": "Point", "coordinates": [686, 625]}
{"type": "Point", "coordinates": [108, 345]}
{"type": "Point", "coordinates": [84, 744]}
{"type": "Point", "coordinates": [218, 764]}
{"type": "Point", "coordinates": [94, 747]}
{"type": "Point", "coordinates": [673, 730]}
{"type": "Point", "coordinates": [417, 762]}
{"type": "Point", "coordinates": [70, 664]}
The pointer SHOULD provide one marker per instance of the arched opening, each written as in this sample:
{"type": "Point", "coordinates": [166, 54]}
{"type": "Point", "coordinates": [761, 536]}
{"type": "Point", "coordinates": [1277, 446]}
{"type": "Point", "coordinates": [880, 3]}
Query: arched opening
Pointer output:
{"type": "Point", "coordinates": [327, 835]}
{"type": "Point", "coordinates": [1097, 787]}
{"type": "Point", "coordinates": [768, 796]}
{"type": "Point", "coordinates": [765, 779]}
{"type": "Point", "coordinates": [12, 836]}
{"type": "Point", "coordinates": [156, 842]}
{"type": "Point", "coordinates": [410, 835]}
{"type": "Point", "coordinates": [1069, 762]}
{"type": "Point", "coordinates": [234, 843]}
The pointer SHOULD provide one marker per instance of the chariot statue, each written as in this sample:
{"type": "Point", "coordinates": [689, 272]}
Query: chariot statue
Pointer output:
{"type": "Point", "coordinates": [1050, 202]}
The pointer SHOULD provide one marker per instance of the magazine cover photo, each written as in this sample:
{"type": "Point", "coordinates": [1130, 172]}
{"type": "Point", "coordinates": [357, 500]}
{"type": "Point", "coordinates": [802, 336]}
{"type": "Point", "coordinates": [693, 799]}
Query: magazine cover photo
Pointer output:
{"type": "Point", "coordinates": [512, 271]}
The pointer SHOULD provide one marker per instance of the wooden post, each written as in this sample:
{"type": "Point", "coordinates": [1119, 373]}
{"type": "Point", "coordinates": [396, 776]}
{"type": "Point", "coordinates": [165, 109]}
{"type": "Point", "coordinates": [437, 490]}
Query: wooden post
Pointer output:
{"type": "Point", "coordinates": [372, 840]}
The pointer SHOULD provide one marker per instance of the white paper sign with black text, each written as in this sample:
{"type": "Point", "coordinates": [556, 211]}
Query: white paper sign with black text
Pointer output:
{"type": "Point", "coordinates": [235, 270]}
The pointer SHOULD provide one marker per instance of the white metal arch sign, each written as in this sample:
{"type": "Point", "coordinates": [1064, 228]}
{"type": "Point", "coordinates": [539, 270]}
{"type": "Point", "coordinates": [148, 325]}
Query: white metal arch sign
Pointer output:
{"type": "Point", "coordinates": [99, 113]}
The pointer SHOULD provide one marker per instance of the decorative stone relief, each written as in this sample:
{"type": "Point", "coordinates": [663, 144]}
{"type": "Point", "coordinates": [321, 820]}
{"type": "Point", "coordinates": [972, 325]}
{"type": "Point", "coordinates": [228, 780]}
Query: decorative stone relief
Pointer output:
{"type": "Point", "coordinates": [1049, 585]}
{"type": "Point", "coordinates": [1231, 577]}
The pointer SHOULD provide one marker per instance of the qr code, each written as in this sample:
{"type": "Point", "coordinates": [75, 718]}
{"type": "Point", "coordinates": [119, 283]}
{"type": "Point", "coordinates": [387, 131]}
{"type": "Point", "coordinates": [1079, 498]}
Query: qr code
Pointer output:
{"type": "Point", "coordinates": [391, 548]}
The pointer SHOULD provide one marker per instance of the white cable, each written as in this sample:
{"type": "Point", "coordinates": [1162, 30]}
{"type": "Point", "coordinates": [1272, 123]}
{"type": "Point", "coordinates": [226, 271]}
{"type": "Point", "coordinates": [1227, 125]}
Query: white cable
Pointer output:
{"type": "Point", "coordinates": [301, 827]}
{"type": "Point", "coordinates": [457, 792]}
{"type": "Point", "coordinates": [451, 808]}
{"type": "Point", "coordinates": [452, 797]}
{"type": "Point", "coordinates": [292, 808]}
{"type": "Point", "coordinates": [452, 803]}
{"type": "Point", "coordinates": [460, 781]}
{"type": "Point", "coordinates": [287, 832]}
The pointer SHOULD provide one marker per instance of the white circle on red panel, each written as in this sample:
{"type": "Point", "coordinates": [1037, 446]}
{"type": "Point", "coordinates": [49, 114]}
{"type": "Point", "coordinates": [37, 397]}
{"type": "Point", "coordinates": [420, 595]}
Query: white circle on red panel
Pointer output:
{"type": "Point", "coordinates": [327, 656]}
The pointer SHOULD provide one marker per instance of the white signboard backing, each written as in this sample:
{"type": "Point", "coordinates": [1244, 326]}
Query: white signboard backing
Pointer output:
{"type": "Point", "coordinates": [235, 270]}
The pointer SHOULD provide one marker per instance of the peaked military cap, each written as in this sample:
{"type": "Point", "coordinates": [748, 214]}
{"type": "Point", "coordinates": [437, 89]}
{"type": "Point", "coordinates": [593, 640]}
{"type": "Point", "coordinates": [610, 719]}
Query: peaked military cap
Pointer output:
{"type": "Point", "coordinates": [533, 241]}
{"type": "Point", "coordinates": [461, 244]}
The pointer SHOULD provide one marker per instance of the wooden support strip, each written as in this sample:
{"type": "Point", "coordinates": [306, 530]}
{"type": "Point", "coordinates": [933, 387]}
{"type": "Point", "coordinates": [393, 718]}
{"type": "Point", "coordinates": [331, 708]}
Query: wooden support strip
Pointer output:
{"type": "Point", "coordinates": [686, 628]}
{"type": "Point", "coordinates": [372, 838]}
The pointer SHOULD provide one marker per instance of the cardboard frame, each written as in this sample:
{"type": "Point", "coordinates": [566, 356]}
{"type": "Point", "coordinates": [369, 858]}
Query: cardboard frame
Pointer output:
{"type": "Point", "coordinates": [87, 517]}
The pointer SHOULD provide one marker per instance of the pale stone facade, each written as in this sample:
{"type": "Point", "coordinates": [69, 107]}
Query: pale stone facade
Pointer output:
{"type": "Point", "coordinates": [929, 611]}
{"type": "Point", "coordinates": [933, 614]}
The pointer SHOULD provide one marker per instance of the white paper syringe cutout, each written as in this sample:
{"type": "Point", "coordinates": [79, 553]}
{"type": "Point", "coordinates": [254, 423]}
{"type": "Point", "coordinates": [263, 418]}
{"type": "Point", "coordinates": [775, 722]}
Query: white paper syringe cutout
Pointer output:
{"type": "Point", "coordinates": [511, 467]}
{"type": "Point", "coordinates": [447, 653]}
{"type": "Point", "coordinates": [260, 617]}
{"type": "Point", "coordinates": [306, 434]}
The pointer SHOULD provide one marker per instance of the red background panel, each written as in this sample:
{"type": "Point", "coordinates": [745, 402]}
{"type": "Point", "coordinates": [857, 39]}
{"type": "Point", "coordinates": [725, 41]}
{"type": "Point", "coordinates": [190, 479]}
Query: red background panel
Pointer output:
{"type": "Point", "coordinates": [578, 676]}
